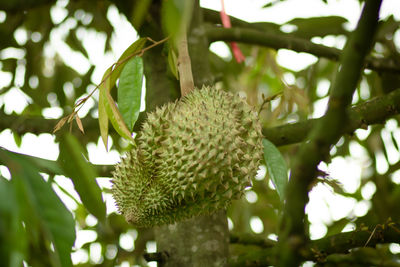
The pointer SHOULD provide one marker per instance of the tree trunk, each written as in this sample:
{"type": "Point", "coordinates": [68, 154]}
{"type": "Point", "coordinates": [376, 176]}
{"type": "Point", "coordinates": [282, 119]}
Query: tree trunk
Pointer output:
{"type": "Point", "coordinates": [199, 241]}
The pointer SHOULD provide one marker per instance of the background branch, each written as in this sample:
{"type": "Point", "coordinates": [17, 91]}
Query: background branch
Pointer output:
{"type": "Point", "coordinates": [287, 41]}
{"type": "Point", "coordinates": [254, 252]}
{"type": "Point", "coordinates": [214, 17]}
{"type": "Point", "coordinates": [371, 112]}
{"type": "Point", "coordinates": [22, 5]}
{"type": "Point", "coordinates": [360, 116]}
{"type": "Point", "coordinates": [293, 236]}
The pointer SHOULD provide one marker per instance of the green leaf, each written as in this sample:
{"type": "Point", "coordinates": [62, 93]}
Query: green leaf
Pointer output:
{"type": "Point", "coordinates": [175, 14]}
{"type": "Point", "coordinates": [123, 59]}
{"type": "Point", "coordinates": [276, 166]}
{"type": "Point", "coordinates": [17, 139]}
{"type": "Point", "coordinates": [130, 91]}
{"type": "Point", "coordinates": [337, 226]}
{"type": "Point", "coordinates": [107, 106]}
{"type": "Point", "coordinates": [83, 175]}
{"type": "Point", "coordinates": [103, 118]}
{"type": "Point", "coordinates": [56, 221]}
{"type": "Point", "coordinates": [12, 235]}
{"type": "Point", "coordinates": [172, 62]}
{"type": "Point", "coordinates": [109, 111]}
{"type": "Point", "coordinates": [139, 12]}
{"type": "Point", "coordinates": [318, 26]}
{"type": "Point", "coordinates": [115, 116]}
{"type": "Point", "coordinates": [387, 27]}
{"type": "Point", "coordinates": [43, 164]}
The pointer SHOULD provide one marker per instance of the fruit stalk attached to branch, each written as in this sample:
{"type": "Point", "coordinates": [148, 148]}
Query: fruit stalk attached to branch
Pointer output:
{"type": "Point", "coordinates": [184, 65]}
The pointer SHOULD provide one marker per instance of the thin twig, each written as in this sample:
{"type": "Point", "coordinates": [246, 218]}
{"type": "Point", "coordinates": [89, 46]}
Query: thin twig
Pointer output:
{"type": "Point", "coordinates": [267, 100]}
{"type": "Point", "coordinates": [371, 235]}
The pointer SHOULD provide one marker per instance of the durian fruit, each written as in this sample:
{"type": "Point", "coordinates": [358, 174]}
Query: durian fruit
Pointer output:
{"type": "Point", "coordinates": [191, 157]}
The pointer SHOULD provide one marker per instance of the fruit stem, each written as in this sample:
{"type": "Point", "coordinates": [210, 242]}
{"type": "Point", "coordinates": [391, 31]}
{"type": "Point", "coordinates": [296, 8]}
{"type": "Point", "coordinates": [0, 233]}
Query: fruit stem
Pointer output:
{"type": "Point", "coordinates": [184, 65]}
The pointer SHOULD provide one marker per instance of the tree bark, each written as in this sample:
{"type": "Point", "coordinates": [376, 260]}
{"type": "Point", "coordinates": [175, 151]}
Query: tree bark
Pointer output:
{"type": "Point", "coordinates": [199, 241]}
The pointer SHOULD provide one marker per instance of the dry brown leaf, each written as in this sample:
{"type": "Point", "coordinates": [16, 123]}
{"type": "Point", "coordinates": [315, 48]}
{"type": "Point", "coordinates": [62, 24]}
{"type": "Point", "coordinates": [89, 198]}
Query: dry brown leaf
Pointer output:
{"type": "Point", "coordinates": [60, 124]}
{"type": "Point", "coordinates": [71, 116]}
{"type": "Point", "coordinates": [79, 123]}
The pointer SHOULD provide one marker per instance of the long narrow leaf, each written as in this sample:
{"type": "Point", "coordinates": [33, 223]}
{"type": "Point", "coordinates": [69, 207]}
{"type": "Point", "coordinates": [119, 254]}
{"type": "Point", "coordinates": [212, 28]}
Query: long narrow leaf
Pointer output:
{"type": "Point", "coordinates": [175, 14]}
{"type": "Point", "coordinates": [83, 175]}
{"type": "Point", "coordinates": [116, 118]}
{"type": "Point", "coordinates": [103, 118]}
{"type": "Point", "coordinates": [109, 111]}
{"type": "Point", "coordinates": [130, 91]}
{"type": "Point", "coordinates": [123, 59]}
{"type": "Point", "coordinates": [57, 222]}
{"type": "Point", "coordinates": [12, 235]}
{"type": "Point", "coordinates": [107, 106]}
{"type": "Point", "coordinates": [44, 165]}
{"type": "Point", "coordinates": [172, 62]}
{"type": "Point", "coordinates": [276, 166]}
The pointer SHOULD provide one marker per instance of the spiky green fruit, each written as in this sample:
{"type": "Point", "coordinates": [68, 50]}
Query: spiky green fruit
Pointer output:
{"type": "Point", "coordinates": [191, 157]}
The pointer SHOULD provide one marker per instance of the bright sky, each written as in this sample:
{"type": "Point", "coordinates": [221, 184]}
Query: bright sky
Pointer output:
{"type": "Point", "coordinates": [324, 205]}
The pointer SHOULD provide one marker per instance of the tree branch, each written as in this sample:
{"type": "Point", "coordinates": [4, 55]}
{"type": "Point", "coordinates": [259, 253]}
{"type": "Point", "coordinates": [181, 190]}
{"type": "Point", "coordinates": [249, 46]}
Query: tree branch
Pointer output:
{"type": "Point", "coordinates": [319, 249]}
{"type": "Point", "coordinates": [371, 112]}
{"type": "Point", "coordinates": [288, 41]}
{"type": "Point", "coordinates": [160, 257]}
{"type": "Point", "coordinates": [215, 18]}
{"type": "Point", "coordinates": [22, 5]}
{"type": "Point", "coordinates": [276, 41]}
{"type": "Point", "coordinates": [250, 239]}
{"type": "Point", "coordinates": [293, 238]}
